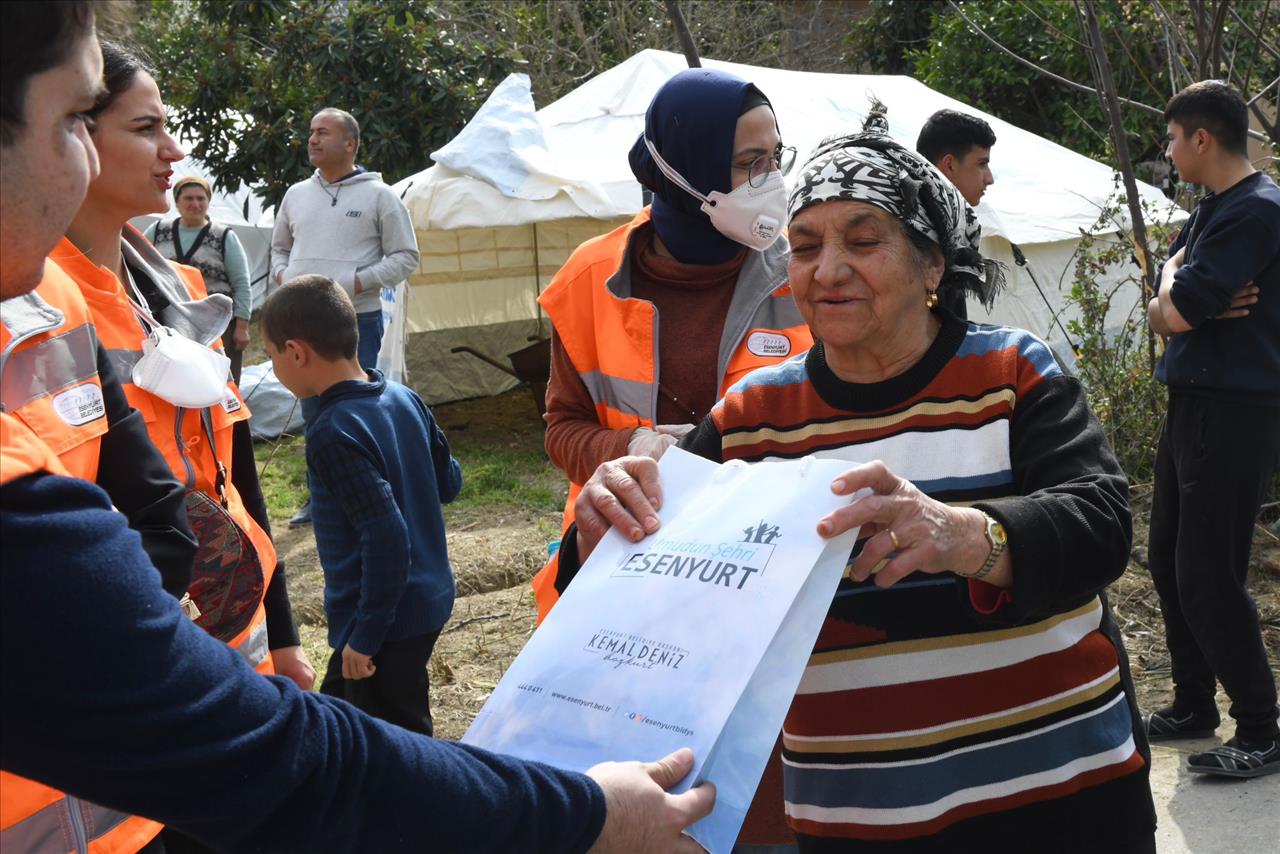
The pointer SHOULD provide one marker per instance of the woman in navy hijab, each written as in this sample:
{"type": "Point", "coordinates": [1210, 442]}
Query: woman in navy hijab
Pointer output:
{"type": "Point", "coordinates": [654, 321]}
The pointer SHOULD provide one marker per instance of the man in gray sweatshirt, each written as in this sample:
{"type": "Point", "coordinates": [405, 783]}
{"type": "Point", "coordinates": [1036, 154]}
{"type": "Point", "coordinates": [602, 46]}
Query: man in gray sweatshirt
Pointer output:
{"type": "Point", "coordinates": [344, 223]}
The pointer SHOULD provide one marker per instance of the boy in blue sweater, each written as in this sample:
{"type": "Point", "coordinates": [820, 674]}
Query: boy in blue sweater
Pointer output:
{"type": "Point", "coordinates": [379, 468]}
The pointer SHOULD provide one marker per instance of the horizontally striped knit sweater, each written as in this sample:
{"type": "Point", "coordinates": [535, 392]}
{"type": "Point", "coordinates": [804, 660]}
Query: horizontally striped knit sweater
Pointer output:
{"type": "Point", "coordinates": [940, 713]}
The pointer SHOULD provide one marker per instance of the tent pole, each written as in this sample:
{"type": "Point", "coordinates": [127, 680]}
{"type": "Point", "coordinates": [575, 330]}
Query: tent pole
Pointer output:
{"type": "Point", "coordinates": [682, 32]}
{"type": "Point", "coordinates": [537, 281]}
{"type": "Point", "coordinates": [1021, 261]}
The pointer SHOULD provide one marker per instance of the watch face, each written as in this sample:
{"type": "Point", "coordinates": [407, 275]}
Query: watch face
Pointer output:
{"type": "Point", "coordinates": [997, 533]}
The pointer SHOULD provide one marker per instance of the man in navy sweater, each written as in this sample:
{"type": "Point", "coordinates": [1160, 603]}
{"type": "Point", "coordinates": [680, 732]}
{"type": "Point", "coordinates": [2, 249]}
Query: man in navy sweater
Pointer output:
{"type": "Point", "coordinates": [1219, 301]}
{"type": "Point", "coordinates": [379, 468]}
{"type": "Point", "coordinates": [110, 693]}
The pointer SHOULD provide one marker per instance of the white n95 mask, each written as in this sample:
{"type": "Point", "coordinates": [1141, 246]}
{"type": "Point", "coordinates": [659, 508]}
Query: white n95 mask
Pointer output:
{"type": "Point", "coordinates": [180, 371]}
{"type": "Point", "coordinates": [752, 216]}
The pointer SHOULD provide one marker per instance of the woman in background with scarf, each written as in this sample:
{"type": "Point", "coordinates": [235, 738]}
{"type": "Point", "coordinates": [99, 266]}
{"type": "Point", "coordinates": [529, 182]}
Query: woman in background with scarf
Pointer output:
{"type": "Point", "coordinates": [212, 248]}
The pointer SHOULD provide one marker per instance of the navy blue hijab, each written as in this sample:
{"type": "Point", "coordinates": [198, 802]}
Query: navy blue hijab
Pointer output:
{"type": "Point", "coordinates": [692, 121]}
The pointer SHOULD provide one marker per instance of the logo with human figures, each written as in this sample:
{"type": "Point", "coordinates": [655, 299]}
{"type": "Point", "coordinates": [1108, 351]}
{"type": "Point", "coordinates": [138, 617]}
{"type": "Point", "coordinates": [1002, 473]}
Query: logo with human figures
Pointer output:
{"type": "Point", "coordinates": [763, 533]}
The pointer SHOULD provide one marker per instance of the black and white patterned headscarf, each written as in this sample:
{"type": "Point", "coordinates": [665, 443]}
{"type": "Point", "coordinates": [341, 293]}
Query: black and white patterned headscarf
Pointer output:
{"type": "Point", "coordinates": [871, 167]}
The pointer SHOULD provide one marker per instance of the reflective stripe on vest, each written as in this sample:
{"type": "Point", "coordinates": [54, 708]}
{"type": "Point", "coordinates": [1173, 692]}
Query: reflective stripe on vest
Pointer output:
{"type": "Point", "coordinates": [49, 358]}
{"type": "Point", "coordinates": [68, 824]}
{"type": "Point", "coordinates": [180, 439]}
{"type": "Point", "coordinates": [48, 365]}
{"type": "Point", "coordinates": [612, 339]}
{"type": "Point", "coordinates": [254, 647]}
{"type": "Point", "coordinates": [630, 396]}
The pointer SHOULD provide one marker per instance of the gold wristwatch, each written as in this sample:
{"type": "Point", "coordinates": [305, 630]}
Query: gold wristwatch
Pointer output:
{"type": "Point", "coordinates": [998, 540]}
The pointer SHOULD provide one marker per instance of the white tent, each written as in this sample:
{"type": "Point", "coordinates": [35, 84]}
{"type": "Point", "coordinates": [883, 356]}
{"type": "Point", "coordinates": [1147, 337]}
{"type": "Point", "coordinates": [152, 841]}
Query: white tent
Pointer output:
{"type": "Point", "coordinates": [241, 209]}
{"type": "Point", "coordinates": [518, 189]}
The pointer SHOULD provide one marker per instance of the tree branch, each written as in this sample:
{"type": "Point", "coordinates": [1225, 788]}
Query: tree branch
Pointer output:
{"type": "Point", "coordinates": [682, 31]}
{"type": "Point", "coordinates": [1146, 108]}
{"type": "Point", "coordinates": [1263, 91]}
{"type": "Point", "coordinates": [1263, 43]}
{"type": "Point", "coordinates": [1111, 105]}
{"type": "Point", "coordinates": [1173, 34]}
{"type": "Point", "coordinates": [1064, 81]}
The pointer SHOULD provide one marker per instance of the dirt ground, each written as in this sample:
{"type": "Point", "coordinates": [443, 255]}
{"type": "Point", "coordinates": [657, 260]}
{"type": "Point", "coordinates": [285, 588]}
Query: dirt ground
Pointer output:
{"type": "Point", "coordinates": [494, 558]}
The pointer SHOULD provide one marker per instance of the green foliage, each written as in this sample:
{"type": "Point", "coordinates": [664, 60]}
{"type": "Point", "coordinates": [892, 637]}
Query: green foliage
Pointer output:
{"type": "Point", "coordinates": [511, 478]}
{"type": "Point", "coordinates": [960, 63]}
{"type": "Point", "coordinates": [1116, 365]}
{"type": "Point", "coordinates": [500, 473]}
{"type": "Point", "coordinates": [282, 468]}
{"type": "Point", "coordinates": [1152, 56]}
{"type": "Point", "coordinates": [885, 39]}
{"type": "Point", "coordinates": [244, 79]}
{"type": "Point", "coordinates": [560, 44]}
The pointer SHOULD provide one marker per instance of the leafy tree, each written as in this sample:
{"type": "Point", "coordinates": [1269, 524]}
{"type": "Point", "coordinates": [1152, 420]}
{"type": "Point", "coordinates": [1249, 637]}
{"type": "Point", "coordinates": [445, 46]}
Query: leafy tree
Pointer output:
{"type": "Point", "coordinates": [1155, 49]}
{"type": "Point", "coordinates": [886, 37]}
{"type": "Point", "coordinates": [244, 80]}
{"type": "Point", "coordinates": [563, 42]}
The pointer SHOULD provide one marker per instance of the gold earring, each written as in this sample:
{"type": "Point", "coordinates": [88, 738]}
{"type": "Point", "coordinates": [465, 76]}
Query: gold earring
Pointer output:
{"type": "Point", "coordinates": [931, 300]}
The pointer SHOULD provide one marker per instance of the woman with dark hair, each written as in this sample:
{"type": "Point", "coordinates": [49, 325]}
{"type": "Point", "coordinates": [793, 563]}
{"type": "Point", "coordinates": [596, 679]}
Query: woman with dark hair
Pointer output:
{"type": "Point", "coordinates": [141, 304]}
{"type": "Point", "coordinates": [192, 238]}
{"type": "Point", "coordinates": [654, 321]}
{"type": "Point", "coordinates": [969, 690]}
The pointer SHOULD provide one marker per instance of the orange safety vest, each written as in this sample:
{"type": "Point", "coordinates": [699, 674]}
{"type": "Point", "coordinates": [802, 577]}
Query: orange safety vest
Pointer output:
{"type": "Point", "coordinates": [49, 360]}
{"type": "Point", "coordinates": [178, 433]}
{"type": "Point", "coordinates": [35, 819]}
{"type": "Point", "coordinates": [610, 338]}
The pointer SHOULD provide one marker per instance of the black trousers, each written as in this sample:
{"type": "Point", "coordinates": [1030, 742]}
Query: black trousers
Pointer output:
{"type": "Point", "coordinates": [1215, 463]}
{"type": "Point", "coordinates": [399, 689]}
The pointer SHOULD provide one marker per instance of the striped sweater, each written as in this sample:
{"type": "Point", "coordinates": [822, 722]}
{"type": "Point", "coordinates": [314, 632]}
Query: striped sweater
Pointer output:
{"type": "Point", "coordinates": [944, 714]}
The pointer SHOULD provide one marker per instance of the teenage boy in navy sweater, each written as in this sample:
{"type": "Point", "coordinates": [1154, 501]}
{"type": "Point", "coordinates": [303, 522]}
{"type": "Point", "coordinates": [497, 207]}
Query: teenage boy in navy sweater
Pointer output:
{"type": "Point", "coordinates": [379, 469]}
{"type": "Point", "coordinates": [1219, 301]}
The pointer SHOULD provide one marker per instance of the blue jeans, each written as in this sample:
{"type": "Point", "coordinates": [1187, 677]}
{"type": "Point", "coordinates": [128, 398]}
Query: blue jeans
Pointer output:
{"type": "Point", "coordinates": [371, 327]}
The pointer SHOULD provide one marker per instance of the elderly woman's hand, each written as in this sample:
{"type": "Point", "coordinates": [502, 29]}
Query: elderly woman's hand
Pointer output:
{"type": "Point", "coordinates": [623, 493]}
{"type": "Point", "coordinates": [926, 535]}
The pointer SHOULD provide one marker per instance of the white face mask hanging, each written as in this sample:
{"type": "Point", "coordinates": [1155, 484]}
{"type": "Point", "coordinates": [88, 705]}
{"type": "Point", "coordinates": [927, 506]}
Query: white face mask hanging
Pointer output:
{"type": "Point", "coordinates": [176, 369]}
{"type": "Point", "coordinates": [752, 216]}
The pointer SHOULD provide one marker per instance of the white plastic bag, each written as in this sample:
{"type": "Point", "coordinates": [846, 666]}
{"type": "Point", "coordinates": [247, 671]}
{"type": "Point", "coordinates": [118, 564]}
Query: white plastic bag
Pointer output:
{"type": "Point", "coordinates": [697, 636]}
{"type": "Point", "coordinates": [395, 305]}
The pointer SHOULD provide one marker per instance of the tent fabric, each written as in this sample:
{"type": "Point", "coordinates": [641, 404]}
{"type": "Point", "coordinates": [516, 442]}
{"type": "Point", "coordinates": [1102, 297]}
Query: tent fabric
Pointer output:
{"type": "Point", "coordinates": [513, 194]}
{"type": "Point", "coordinates": [274, 408]}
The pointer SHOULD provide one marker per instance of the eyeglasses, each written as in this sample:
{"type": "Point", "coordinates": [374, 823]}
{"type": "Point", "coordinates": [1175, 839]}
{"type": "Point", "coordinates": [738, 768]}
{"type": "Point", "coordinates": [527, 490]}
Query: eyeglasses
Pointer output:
{"type": "Point", "coordinates": [782, 159]}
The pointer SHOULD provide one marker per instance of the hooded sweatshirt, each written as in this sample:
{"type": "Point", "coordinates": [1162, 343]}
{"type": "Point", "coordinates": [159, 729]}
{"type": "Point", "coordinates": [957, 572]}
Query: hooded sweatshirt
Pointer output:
{"type": "Point", "coordinates": [356, 225]}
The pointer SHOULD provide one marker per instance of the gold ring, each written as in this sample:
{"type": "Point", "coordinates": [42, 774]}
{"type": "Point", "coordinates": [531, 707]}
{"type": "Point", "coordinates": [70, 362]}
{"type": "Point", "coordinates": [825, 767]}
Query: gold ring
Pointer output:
{"type": "Point", "coordinates": [896, 545]}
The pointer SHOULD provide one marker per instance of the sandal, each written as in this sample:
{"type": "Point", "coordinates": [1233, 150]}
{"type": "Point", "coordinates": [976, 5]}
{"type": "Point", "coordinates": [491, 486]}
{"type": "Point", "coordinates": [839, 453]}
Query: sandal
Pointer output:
{"type": "Point", "coordinates": [1238, 758]}
{"type": "Point", "coordinates": [1166, 724]}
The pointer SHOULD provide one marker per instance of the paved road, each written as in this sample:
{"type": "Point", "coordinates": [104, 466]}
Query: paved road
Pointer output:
{"type": "Point", "coordinates": [1198, 815]}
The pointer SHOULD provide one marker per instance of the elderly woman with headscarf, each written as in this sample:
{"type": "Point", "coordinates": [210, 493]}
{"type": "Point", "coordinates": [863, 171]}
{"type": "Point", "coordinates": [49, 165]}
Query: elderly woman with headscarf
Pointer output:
{"type": "Point", "coordinates": [968, 690]}
{"type": "Point", "coordinates": [192, 238]}
{"type": "Point", "coordinates": [654, 321]}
